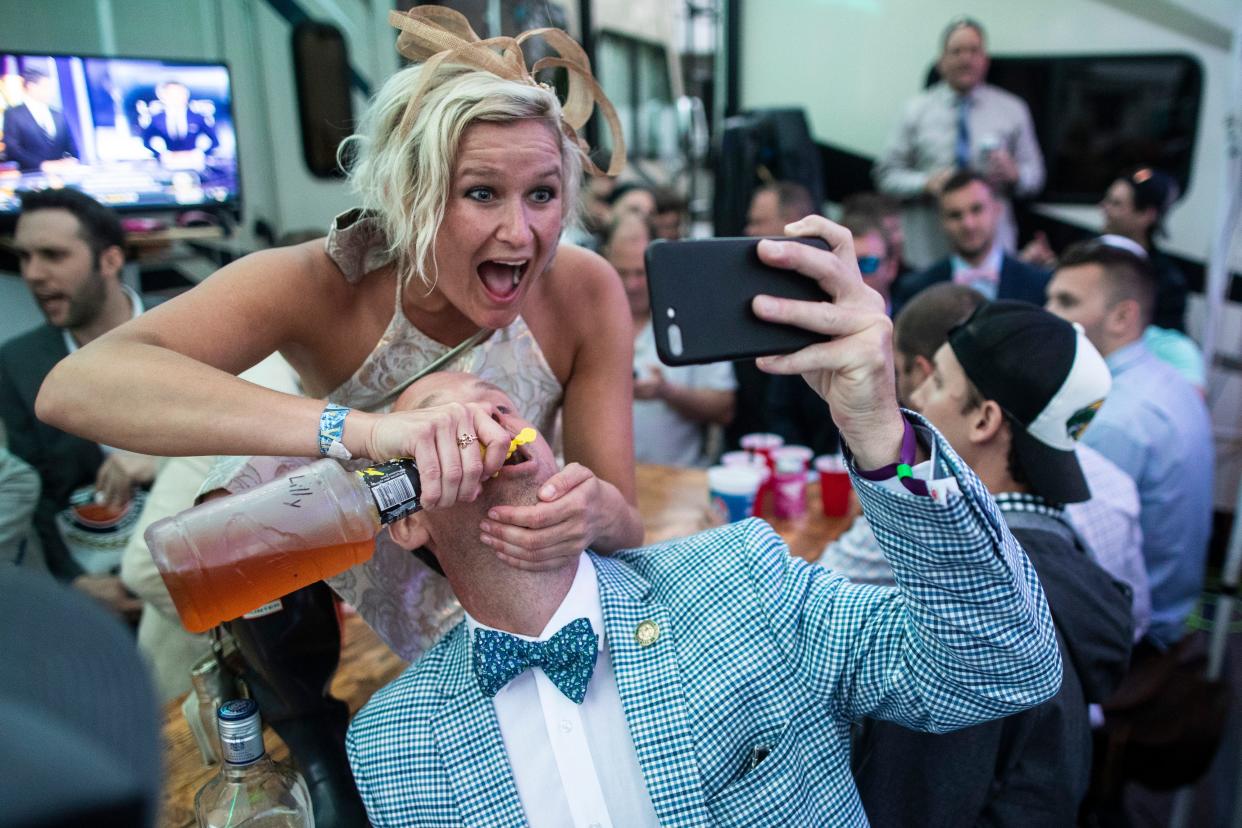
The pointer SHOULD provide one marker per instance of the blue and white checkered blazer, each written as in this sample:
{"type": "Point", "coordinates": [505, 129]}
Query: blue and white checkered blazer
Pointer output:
{"type": "Point", "coordinates": [757, 650]}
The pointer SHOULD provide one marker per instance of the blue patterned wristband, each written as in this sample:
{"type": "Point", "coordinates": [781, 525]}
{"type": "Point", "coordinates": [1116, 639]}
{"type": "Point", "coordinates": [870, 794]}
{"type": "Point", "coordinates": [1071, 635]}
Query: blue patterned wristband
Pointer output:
{"type": "Point", "coordinates": [331, 428]}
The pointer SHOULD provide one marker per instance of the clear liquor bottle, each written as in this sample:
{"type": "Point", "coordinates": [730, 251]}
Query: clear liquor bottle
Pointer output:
{"type": "Point", "coordinates": [251, 790]}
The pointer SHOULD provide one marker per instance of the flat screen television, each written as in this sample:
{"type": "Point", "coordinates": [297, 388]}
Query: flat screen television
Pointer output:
{"type": "Point", "coordinates": [137, 134]}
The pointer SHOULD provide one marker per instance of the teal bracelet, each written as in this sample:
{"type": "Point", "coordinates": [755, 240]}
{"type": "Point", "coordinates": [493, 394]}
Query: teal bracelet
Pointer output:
{"type": "Point", "coordinates": [331, 428]}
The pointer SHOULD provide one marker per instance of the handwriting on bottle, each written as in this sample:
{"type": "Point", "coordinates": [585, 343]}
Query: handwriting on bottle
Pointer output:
{"type": "Point", "coordinates": [297, 491]}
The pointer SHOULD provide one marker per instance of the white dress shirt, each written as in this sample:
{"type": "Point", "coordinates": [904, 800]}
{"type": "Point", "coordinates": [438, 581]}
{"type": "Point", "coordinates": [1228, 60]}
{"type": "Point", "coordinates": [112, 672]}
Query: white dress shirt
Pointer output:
{"type": "Point", "coordinates": [1110, 526]}
{"type": "Point", "coordinates": [572, 764]}
{"type": "Point", "coordinates": [661, 433]}
{"type": "Point", "coordinates": [175, 122]}
{"type": "Point", "coordinates": [924, 141]}
{"type": "Point", "coordinates": [42, 115]}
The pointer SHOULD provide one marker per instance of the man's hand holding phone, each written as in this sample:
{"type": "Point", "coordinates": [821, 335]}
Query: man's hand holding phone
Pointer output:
{"type": "Point", "coordinates": [853, 372]}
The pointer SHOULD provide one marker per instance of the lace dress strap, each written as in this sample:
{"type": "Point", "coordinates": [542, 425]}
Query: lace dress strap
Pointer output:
{"type": "Point", "coordinates": [357, 245]}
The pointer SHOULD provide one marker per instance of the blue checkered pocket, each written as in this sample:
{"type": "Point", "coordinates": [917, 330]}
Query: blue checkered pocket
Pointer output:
{"type": "Point", "coordinates": [771, 788]}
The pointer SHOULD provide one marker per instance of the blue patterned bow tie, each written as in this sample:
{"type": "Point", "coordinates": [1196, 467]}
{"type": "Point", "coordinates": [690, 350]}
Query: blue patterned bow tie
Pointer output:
{"type": "Point", "coordinates": [567, 658]}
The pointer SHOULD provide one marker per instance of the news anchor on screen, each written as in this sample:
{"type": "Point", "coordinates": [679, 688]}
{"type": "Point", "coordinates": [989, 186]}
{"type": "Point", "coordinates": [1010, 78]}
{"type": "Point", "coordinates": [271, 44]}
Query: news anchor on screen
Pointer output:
{"type": "Point", "coordinates": [177, 128]}
{"type": "Point", "coordinates": [34, 132]}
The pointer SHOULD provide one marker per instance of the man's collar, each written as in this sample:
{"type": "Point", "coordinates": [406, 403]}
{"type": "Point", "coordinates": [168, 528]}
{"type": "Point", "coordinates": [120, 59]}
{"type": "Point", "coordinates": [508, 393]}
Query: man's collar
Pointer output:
{"type": "Point", "coordinates": [1125, 357]}
{"type": "Point", "coordinates": [953, 95]}
{"type": "Point", "coordinates": [994, 260]}
{"type": "Point", "coordinates": [38, 107]}
{"type": "Point", "coordinates": [135, 304]}
{"type": "Point", "coordinates": [1027, 502]}
{"type": "Point", "coordinates": [582, 601]}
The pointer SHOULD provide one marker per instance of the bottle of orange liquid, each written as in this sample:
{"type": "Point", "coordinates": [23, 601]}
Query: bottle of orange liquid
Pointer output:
{"type": "Point", "coordinates": [228, 556]}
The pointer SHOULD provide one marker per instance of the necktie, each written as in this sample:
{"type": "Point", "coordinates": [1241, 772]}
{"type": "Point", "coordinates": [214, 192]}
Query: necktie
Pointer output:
{"type": "Point", "coordinates": [961, 149]}
{"type": "Point", "coordinates": [567, 658]}
{"type": "Point", "coordinates": [47, 124]}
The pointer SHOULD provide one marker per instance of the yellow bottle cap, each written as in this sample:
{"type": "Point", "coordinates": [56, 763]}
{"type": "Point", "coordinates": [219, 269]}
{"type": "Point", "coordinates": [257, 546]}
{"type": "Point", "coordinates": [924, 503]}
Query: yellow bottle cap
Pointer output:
{"type": "Point", "coordinates": [526, 435]}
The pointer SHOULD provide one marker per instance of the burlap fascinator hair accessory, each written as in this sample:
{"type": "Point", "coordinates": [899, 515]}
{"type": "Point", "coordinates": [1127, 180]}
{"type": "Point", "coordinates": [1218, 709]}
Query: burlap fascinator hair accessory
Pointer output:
{"type": "Point", "coordinates": [434, 35]}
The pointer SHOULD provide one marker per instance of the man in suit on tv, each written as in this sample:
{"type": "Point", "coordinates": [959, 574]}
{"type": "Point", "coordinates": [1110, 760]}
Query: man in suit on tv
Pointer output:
{"type": "Point", "coordinates": [969, 214]}
{"type": "Point", "coordinates": [34, 132]}
{"type": "Point", "coordinates": [177, 128]}
{"type": "Point", "coordinates": [709, 680]}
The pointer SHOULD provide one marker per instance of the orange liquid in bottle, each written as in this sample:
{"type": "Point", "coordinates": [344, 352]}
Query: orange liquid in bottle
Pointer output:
{"type": "Point", "coordinates": [211, 595]}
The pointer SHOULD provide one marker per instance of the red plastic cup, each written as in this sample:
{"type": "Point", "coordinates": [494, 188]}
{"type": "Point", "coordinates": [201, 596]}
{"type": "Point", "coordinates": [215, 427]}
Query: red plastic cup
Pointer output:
{"type": "Point", "coordinates": [761, 444]}
{"type": "Point", "coordinates": [834, 485]}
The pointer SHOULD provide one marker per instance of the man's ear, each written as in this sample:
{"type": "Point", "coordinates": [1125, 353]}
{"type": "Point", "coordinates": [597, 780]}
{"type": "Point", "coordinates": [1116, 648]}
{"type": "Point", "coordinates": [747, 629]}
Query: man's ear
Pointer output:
{"type": "Point", "coordinates": [111, 260]}
{"type": "Point", "coordinates": [987, 423]}
{"type": "Point", "coordinates": [1150, 217]}
{"type": "Point", "coordinates": [923, 368]}
{"type": "Point", "coordinates": [1123, 318]}
{"type": "Point", "coordinates": [410, 532]}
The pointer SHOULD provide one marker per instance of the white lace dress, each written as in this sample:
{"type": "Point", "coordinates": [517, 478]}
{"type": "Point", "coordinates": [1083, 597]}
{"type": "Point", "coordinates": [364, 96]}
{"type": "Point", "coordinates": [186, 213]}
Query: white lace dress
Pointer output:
{"type": "Point", "coordinates": [404, 601]}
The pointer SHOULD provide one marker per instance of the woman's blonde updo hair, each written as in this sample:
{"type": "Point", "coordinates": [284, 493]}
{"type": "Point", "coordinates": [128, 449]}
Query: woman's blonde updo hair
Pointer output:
{"type": "Point", "coordinates": [403, 176]}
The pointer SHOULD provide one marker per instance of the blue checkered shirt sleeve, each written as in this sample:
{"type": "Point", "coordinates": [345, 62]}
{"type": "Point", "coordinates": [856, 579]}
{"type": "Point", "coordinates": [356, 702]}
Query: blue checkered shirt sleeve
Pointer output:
{"type": "Point", "coordinates": [964, 638]}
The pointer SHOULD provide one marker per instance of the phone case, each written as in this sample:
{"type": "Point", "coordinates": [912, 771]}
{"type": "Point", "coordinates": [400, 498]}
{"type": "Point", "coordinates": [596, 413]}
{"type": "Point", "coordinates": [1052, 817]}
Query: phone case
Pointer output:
{"type": "Point", "coordinates": [701, 292]}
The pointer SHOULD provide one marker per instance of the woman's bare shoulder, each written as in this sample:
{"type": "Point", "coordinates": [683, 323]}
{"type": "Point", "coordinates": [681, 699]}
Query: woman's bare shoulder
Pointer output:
{"type": "Point", "coordinates": [296, 264]}
{"type": "Point", "coordinates": [580, 305]}
{"type": "Point", "coordinates": [580, 275]}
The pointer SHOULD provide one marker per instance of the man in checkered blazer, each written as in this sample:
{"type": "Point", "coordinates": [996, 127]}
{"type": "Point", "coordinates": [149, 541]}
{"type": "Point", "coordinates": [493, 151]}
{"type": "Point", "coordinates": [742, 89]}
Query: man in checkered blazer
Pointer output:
{"type": "Point", "coordinates": [710, 680]}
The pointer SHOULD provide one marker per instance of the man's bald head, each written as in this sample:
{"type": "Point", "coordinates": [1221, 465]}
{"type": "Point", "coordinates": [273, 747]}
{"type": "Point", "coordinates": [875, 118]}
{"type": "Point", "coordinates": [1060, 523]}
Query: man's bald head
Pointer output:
{"type": "Point", "coordinates": [440, 388]}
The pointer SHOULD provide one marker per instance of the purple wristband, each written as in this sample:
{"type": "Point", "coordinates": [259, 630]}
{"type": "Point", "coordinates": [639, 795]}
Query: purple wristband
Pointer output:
{"type": "Point", "coordinates": [901, 469]}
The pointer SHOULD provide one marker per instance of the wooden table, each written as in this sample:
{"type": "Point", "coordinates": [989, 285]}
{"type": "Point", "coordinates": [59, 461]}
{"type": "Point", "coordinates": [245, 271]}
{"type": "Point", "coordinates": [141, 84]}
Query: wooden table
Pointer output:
{"type": "Point", "coordinates": [672, 502]}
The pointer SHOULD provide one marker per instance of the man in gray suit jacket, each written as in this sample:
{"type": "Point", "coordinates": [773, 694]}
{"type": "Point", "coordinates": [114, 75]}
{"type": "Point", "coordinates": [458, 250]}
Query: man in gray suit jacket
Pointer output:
{"type": "Point", "coordinates": [71, 252]}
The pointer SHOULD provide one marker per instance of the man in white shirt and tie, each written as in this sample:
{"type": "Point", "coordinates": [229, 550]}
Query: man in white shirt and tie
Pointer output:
{"type": "Point", "coordinates": [969, 215]}
{"type": "Point", "coordinates": [710, 680]}
{"type": "Point", "coordinates": [34, 132]}
{"type": "Point", "coordinates": [959, 123]}
{"type": "Point", "coordinates": [177, 128]}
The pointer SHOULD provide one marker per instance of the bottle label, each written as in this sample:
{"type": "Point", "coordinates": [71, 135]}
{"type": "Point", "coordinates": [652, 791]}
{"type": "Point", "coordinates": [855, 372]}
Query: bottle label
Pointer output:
{"type": "Point", "coordinates": [267, 609]}
{"type": "Point", "coordinates": [395, 488]}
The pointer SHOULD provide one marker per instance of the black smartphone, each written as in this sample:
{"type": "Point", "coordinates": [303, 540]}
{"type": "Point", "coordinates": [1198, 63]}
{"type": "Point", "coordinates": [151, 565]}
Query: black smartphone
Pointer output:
{"type": "Point", "coordinates": [701, 291]}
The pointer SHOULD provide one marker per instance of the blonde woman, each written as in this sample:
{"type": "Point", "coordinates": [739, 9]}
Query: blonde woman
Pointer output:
{"type": "Point", "coordinates": [466, 172]}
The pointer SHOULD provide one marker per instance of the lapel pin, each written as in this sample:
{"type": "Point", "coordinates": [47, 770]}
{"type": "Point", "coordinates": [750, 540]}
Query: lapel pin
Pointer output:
{"type": "Point", "coordinates": [648, 633]}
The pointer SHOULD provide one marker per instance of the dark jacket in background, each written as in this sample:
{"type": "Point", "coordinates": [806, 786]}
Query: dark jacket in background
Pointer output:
{"type": "Point", "coordinates": [196, 125]}
{"type": "Point", "coordinates": [1170, 293]}
{"type": "Point", "coordinates": [64, 462]}
{"type": "Point", "coordinates": [750, 403]}
{"type": "Point", "coordinates": [1018, 280]}
{"type": "Point", "coordinates": [1030, 770]}
{"type": "Point", "coordinates": [26, 143]}
{"type": "Point", "coordinates": [799, 415]}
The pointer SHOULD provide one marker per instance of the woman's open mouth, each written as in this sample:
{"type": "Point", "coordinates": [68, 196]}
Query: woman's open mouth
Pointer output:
{"type": "Point", "coordinates": [501, 279]}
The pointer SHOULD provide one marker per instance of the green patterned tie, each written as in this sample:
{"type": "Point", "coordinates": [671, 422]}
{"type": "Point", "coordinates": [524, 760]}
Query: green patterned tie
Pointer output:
{"type": "Point", "coordinates": [567, 658]}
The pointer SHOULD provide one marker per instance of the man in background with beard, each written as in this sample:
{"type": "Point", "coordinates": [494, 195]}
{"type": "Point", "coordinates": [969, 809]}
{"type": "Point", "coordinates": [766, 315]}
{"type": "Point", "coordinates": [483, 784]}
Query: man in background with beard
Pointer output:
{"type": "Point", "coordinates": [71, 251]}
{"type": "Point", "coordinates": [969, 214]}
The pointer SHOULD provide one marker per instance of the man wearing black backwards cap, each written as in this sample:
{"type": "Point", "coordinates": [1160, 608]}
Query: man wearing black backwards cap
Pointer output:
{"type": "Point", "coordinates": [1011, 391]}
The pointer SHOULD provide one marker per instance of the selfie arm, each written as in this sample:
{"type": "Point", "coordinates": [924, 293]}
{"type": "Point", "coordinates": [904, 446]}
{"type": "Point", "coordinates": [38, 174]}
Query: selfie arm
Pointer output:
{"type": "Point", "coordinates": [853, 372]}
